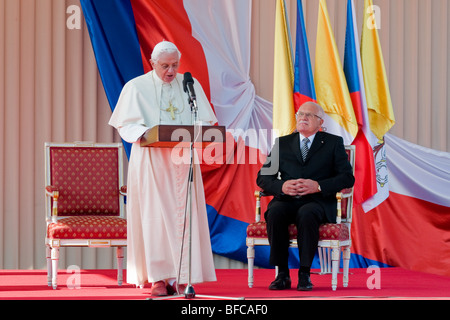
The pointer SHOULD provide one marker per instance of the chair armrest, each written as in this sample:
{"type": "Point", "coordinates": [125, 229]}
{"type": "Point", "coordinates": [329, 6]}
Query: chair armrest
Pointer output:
{"type": "Point", "coordinates": [50, 189]}
{"type": "Point", "coordinates": [53, 192]}
{"type": "Point", "coordinates": [258, 195]}
{"type": "Point", "coordinates": [339, 196]}
{"type": "Point", "coordinates": [123, 190]}
{"type": "Point", "coordinates": [347, 193]}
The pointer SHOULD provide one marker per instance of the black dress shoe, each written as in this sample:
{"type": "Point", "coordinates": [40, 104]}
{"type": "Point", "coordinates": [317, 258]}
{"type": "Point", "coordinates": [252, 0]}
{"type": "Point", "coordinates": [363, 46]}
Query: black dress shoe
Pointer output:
{"type": "Point", "coordinates": [281, 282]}
{"type": "Point", "coordinates": [304, 282]}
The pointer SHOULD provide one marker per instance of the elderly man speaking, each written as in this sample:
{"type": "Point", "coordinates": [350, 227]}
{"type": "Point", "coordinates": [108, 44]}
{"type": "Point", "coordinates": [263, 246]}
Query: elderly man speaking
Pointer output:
{"type": "Point", "coordinates": [156, 186]}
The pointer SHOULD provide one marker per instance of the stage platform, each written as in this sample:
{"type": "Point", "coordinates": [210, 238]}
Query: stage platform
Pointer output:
{"type": "Point", "coordinates": [394, 284]}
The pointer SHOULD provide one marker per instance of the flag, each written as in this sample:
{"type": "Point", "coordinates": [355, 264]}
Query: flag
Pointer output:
{"type": "Point", "coordinates": [123, 34]}
{"type": "Point", "coordinates": [107, 21]}
{"type": "Point", "coordinates": [331, 85]}
{"type": "Point", "coordinates": [380, 111]}
{"type": "Point", "coordinates": [410, 228]}
{"type": "Point", "coordinates": [365, 173]}
{"type": "Point", "coordinates": [303, 79]}
{"type": "Point", "coordinates": [381, 114]}
{"type": "Point", "coordinates": [419, 177]}
{"type": "Point", "coordinates": [283, 79]}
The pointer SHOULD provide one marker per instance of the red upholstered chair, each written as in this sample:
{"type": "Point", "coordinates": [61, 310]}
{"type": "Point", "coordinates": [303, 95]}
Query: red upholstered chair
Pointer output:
{"type": "Point", "coordinates": [334, 237]}
{"type": "Point", "coordinates": [84, 200]}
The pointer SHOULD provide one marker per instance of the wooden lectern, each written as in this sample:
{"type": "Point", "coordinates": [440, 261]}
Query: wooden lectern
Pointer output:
{"type": "Point", "coordinates": [181, 136]}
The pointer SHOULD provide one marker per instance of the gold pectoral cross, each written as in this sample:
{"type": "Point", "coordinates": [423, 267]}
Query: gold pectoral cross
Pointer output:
{"type": "Point", "coordinates": [172, 109]}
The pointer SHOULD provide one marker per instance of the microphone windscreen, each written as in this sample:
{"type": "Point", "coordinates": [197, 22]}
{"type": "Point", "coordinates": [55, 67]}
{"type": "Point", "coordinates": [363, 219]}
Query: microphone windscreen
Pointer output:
{"type": "Point", "coordinates": [187, 79]}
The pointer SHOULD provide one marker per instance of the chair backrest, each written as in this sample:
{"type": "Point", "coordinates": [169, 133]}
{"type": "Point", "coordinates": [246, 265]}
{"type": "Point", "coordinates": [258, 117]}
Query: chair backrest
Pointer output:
{"type": "Point", "coordinates": [347, 200]}
{"type": "Point", "coordinates": [88, 177]}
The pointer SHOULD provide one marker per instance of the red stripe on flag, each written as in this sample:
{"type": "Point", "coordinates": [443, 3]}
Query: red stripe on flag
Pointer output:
{"type": "Point", "coordinates": [404, 232]}
{"type": "Point", "coordinates": [230, 184]}
{"type": "Point", "coordinates": [357, 107]}
{"type": "Point", "coordinates": [365, 171]}
{"type": "Point", "coordinates": [300, 99]}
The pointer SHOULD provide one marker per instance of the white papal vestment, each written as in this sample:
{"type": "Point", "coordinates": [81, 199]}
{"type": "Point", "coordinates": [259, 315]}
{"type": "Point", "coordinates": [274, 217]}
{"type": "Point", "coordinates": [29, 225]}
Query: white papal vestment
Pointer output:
{"type": "Point", "coordinates": [157, 185]}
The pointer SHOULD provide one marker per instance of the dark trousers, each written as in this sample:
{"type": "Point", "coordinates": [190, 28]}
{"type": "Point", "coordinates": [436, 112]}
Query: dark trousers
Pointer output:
{"type": "Point", "coordinates": [308, 216]}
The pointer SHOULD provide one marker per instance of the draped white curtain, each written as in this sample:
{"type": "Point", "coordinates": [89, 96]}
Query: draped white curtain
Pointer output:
{"type": "Point", "coordinates": [50, 91]}
{"type": "Point", "coordinates": [231, 85]}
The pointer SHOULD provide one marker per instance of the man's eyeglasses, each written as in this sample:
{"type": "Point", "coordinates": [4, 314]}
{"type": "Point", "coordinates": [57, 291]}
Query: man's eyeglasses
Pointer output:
{"type": "Point", "coordinates": [167, 66]}
{"type": "Point", "coordinates": [307, 115]}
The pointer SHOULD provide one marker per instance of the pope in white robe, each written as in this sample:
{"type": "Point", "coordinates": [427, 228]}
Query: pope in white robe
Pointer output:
{"type": "Point", "coordinates": [157, 185]}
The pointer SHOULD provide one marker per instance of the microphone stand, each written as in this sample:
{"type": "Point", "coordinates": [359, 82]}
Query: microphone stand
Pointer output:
{"type": "Point", "coordinates": [189, 292]}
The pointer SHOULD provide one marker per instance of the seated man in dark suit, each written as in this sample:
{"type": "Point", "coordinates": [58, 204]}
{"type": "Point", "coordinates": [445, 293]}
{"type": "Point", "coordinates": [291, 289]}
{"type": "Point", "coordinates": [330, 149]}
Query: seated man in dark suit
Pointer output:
{"type": "Point", "coordinates": [312, 167]}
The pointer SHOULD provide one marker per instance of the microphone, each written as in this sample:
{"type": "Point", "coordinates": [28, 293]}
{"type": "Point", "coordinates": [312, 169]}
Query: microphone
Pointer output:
{"type": "Point", "coordinates": [188, 85]}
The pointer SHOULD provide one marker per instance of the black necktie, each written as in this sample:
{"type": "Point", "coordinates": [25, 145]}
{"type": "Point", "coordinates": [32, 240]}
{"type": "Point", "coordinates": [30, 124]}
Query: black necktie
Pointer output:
{"type": "Point", "coordinates": [305, 148]}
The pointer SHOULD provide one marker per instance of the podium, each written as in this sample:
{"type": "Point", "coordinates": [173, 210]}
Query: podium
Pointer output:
{"type": "Point", "coordinates": [193, 137]}
{"type": "Point", "coordinates": [181, 136]}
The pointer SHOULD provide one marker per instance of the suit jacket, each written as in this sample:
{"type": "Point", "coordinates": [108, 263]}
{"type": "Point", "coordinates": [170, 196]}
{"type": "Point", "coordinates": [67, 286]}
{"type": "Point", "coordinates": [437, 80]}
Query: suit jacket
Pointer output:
{"type": "Point", "coordinates": [326, 162]}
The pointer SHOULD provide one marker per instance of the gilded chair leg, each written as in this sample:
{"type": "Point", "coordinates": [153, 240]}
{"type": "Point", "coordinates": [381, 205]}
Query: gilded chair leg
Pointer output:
{"type": "Point", "coordinates": [335, 253]}
{"type": "Point", "coordinates": [119, 265]}
{"type": "Point", "coordinates": [346, 265]}
{"type": "Point", "coordinates": [55, 258]}
{"type": "Point", "coordinates": [250, 261]}
{"type": "Point", "coordinates": [320, 251]}
{"type": "Point", "coordinates": [48, 255]}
